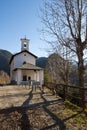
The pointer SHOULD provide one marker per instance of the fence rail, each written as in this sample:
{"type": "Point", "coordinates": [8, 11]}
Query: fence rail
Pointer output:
{"type": "Point", "coordinates": [76, 95]}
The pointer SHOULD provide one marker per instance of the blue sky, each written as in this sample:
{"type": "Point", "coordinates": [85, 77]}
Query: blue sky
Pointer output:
{"type": "Point", "coordinates": [17, 19]}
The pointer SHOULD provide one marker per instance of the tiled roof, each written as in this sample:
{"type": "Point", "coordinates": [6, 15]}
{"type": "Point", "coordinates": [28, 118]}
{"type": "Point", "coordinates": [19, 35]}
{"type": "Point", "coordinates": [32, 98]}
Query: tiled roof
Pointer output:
{"type": "Point", "coordinates": [28, 66]}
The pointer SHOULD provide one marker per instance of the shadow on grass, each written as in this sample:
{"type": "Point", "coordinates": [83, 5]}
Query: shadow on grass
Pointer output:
{"type": "Point", "coordinates": [59, 124]}
{"type": "Point", "coordinates": [72, 116]}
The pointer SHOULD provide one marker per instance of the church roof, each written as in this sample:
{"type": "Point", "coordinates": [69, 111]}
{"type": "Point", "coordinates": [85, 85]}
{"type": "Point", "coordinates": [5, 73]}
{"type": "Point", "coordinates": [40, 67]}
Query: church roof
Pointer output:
{"type": "Point", "coordinates": [28, 66]}
{"type": "Point", "coordinates": [20, 53]}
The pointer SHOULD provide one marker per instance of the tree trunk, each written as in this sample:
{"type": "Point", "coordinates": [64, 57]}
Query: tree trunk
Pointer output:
{"type": "Point", "coordinates": [80, 68]}
{"type": "Point", "coordinates": [81, 75]}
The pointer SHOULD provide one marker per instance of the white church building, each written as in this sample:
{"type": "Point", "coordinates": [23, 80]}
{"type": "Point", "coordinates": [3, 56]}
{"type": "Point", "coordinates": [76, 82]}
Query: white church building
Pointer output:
{"type": "Point", "coordinates": [23, 65]}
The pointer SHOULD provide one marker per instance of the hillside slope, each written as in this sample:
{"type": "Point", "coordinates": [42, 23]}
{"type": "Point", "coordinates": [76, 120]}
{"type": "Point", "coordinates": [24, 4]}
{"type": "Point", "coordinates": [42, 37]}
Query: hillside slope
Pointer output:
{"type": "Point", "coordinates": [4, 60]}
{"type": "Point", "coordinates": [41, 62]}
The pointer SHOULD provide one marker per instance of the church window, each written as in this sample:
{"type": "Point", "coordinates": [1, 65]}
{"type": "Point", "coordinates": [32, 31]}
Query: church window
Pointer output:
{"type": "Point", "coordinates": [24, 62]}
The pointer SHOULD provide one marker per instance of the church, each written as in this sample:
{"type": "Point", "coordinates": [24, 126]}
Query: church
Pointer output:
{"type": "Point", "coordinates": [23, 65]}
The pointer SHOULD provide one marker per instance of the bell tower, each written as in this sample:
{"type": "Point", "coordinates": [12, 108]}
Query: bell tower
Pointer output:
{"type": "Point", "coordinates": [24, 44]}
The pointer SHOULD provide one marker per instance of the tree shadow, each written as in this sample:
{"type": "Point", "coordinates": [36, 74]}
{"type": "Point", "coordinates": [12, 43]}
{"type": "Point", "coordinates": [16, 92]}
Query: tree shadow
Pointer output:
{"type": "Point", "coordinates": [25, 123]}
{"type": "Point", "coordinates": [24, 119]}
{"type": "Point", "coordinates": [72, 116]}
{"type": "Point", "coordinates": [58, 122]}
{"type": "Point", "coordinates": [26, 102]}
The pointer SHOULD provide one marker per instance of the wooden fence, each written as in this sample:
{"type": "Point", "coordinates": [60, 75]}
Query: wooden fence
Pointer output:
{"type": "Point", "coordinates": [76, 95]}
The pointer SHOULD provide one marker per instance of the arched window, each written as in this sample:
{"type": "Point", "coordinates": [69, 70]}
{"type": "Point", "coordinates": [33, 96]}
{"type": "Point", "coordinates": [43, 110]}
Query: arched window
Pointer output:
{"type": "Point", "coordinates": [24, 62]}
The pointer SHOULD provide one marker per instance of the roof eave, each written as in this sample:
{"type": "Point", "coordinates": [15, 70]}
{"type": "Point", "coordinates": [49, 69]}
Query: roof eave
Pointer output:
{"type": "Point", "coordinates": [20, 53]}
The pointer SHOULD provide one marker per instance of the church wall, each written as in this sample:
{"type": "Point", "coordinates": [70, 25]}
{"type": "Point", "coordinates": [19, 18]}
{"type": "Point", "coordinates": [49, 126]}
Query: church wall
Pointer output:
{"type": "Point", "coordinates": [23, 57]}
{"type": "Point", "coordinates": [11, 69]}
{"type": "Point", "coordinates": [19, 76]}
{"type": "Point", "coordinates": [41, 73]}
{"type": "Point", "coordinates": [28, 73]}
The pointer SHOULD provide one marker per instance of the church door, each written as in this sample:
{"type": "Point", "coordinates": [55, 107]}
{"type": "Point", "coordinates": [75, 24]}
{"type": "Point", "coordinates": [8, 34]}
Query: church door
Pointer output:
{"type": "Point", "coordinates": [24, 78]}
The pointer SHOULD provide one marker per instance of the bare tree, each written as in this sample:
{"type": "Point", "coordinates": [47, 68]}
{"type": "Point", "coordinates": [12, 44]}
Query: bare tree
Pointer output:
{"type": "Point", "coordinates": [58, 69]}
{"type": "Point", "coordinates": [65, 23]}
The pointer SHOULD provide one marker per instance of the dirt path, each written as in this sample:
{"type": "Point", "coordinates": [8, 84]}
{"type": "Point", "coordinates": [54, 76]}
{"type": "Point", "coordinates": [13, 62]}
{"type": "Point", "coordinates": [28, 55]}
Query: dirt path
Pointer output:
{"type": "Point", "coordinates": [12, 96]}
{"type": "Point", "coordinates": [27, 109]}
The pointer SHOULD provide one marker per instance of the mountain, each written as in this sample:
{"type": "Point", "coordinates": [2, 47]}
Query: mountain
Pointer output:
{"type": "Point", "coordinates": [4, 60]}
{"type": "Point", "coordinates": [41, 62]}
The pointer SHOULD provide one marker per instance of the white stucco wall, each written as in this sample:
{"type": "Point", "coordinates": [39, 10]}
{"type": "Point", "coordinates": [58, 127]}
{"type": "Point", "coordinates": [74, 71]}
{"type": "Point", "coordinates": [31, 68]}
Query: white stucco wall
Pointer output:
{"type": "Point", "coordinates": [19, 59]}
{"type": "Point", "coordinates": [41, 77]}
{"type": "Point", "coordinates": [11, 68]}
{"type": "Point", "coordinates": [19, 76]}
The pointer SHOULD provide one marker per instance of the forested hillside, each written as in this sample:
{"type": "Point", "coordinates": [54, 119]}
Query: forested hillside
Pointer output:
{"type": "Point", "coordinates": [4, 60]}
{"type": "Point", "coordinates": [41, 62]}
{"type": "Point", "coordinates": [4, 66]}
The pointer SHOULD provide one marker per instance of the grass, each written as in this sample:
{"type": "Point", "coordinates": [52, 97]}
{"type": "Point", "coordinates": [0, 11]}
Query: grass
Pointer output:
{"type": "Point", "coordinates": [74, 117]}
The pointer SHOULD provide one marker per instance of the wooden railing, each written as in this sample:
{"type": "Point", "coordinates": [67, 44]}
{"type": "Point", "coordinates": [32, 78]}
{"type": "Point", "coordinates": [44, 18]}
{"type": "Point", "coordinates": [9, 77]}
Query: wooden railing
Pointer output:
{"type": "Point", "coordinates": [76, 95]}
